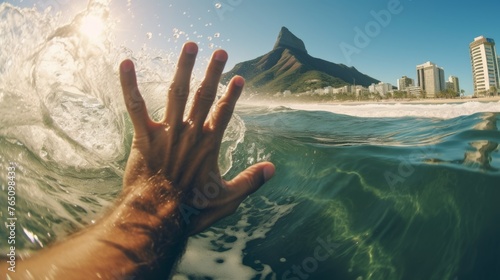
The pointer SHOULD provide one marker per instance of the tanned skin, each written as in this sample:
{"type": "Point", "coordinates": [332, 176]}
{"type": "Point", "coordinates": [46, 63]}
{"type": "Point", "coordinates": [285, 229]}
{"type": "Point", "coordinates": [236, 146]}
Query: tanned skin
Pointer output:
{"type": "Point", "coordinates": [171, 162]}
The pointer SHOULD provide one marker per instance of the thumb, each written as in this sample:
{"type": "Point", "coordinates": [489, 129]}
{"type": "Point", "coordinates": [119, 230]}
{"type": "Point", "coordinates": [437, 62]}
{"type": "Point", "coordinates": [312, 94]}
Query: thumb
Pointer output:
{"type": "Point", "coordinates": [251, 179]}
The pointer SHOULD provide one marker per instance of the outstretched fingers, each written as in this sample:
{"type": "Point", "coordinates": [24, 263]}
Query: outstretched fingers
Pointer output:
{"type": "Point", "coordinates": [225, 106]}
{"type": "Point", "coordinates": [179, 89]}
{"type": "Point", "coordinates": [205, 95]}
{"type": "Point", "coordinates": [134, 102]}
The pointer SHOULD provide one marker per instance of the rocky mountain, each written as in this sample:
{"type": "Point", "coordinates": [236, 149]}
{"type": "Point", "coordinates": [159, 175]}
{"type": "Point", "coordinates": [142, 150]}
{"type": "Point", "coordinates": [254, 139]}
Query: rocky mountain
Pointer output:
{"type": "Point", "coordinates": [289, 67]}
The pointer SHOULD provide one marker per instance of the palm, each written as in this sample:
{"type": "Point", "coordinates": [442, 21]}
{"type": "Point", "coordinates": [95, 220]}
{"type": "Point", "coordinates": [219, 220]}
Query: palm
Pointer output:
{"type": "Point", "coordinates": [182, 154]}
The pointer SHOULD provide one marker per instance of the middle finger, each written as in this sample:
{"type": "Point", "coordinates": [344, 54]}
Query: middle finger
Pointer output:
{"type": "Point", "coordinates": [179, 89]}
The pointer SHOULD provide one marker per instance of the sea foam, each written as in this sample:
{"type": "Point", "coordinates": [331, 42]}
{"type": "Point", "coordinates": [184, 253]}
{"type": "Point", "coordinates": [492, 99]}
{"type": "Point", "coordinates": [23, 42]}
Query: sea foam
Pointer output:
{"type": "Point", "coordinates": [380, 110]}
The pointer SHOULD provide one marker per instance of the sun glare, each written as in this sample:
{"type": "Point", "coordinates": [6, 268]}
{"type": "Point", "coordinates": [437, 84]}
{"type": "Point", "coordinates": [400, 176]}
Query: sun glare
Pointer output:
{"type": "Point", "coordinates": [92, 26]}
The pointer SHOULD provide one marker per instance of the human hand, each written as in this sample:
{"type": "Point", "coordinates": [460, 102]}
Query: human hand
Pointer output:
{"type": "Point", "coordinates": [175, 160]}
{"type": "Point", "coordinates": [171, 172]}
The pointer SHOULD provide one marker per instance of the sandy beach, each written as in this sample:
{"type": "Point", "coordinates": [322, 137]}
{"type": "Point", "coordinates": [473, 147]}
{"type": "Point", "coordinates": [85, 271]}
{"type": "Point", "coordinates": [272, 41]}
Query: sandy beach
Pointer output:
{"type": "Point", "coordinates": [419, 101]}
{"type": "Point", "coordinates": [296, 101]}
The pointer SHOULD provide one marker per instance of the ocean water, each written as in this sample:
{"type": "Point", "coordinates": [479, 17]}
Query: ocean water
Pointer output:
{"type": "Point", "coordinates": [382, 191]}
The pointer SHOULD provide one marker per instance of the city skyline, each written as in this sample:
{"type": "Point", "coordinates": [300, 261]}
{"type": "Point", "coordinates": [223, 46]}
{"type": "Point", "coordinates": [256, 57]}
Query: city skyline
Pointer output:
{"type": "Point", "coordinates": [384, 39]}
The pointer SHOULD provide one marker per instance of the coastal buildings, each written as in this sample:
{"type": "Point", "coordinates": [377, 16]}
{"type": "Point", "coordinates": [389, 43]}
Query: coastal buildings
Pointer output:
{"type": "Point", "coordinates": [405, 82]}
{"type": "Point", "coordinates": [344, 89]}
{"type": "Point", "coordinates": [357, 90]}
{"type": "Point", "coordinates": [453, 84]}
{"type": "Point", "coordinates": [414, 91]}
{"type": "Point", "coordinates": [381, 88]}
{"type": "Point", "coordinates": [332, 90]}
{"type": "Point", "coordinates": [430, 79]}
{"type": "Point", "coordinates": [485, 69]}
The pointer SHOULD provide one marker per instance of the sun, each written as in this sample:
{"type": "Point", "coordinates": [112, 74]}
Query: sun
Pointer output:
{"type": "Point", "coordinates": [92, 26]}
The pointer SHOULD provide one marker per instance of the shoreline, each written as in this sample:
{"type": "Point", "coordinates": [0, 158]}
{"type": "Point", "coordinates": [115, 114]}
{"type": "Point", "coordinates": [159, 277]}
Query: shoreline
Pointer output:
{"type": "Point", "coordinates": [415, 101]}
{"type": "Point", "coordinates": [285, 100]}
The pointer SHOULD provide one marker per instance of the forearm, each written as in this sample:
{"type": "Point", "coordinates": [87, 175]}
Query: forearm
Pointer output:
{"type": "Point", "coordinates": [133, 240]}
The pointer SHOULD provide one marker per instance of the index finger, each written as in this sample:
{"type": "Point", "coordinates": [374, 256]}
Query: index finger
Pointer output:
{"type": "Point", "coordinates": [136, 106]}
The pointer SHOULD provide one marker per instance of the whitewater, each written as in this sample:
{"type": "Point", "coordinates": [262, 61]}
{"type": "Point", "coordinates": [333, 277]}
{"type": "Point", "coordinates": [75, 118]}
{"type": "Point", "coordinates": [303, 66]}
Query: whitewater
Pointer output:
{"type": "Point", "coordinates": [369, 191]}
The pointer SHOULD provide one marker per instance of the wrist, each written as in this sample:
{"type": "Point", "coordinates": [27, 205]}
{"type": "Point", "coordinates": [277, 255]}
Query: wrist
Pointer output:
{"type": "Point", "coordinates": [147, 227]}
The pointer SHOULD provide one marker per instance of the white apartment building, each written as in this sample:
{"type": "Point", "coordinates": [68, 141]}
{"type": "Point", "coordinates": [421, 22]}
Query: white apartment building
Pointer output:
{"type": "Point", "coordinates": [344, 89]}
{"type": "Point", "coordinates": [430, 78]}
{"type": "Point", "coordinates": [485, 69]}
{"type": "Point", "coordinates": [358, 89]}
{"type": "Point", "coordinates": [382, 88]}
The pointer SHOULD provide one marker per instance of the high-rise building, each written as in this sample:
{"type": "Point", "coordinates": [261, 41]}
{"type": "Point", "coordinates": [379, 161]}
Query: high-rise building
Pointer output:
{"type": "Point", "coordinates": [405, 82]}
{"type": "Point", "coordinates": [430, 78]}
{"type": "Point", "coordinates": [485, 70]}
{"type": "Point", "coordinates": [453, 84]}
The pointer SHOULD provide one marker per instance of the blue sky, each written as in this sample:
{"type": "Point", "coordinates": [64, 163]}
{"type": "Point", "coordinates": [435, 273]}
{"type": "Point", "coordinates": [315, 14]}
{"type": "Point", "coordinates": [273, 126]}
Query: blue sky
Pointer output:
{"type": "Point", "coordinates": [417, 31]}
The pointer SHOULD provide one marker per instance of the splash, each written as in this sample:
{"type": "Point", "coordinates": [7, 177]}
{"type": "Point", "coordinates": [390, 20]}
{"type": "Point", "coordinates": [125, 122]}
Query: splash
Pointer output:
{"type": "Point", "coordinates": [63, 119]}
{"type": "Point", "coordinates": [219, 252]}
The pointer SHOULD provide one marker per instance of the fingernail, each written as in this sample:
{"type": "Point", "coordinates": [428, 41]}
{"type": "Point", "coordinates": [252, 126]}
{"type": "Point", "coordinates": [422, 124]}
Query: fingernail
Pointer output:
{"type": "Point", "coordinates": [191, 48]}
{"type": "Point", "coordinates": [269, 172]}
{"type": "Point", "coordinates": [239, 81]}
{"type": "Point", "coordinates": [127, 66]}
{"type": "Point", "coordinates": [220, 56]}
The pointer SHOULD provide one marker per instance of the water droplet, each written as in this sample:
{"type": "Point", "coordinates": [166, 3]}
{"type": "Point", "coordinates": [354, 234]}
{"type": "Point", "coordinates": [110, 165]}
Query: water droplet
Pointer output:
{"type": "Point", "coordinates": [218, 5]}
{"type": "Point", "coordinates": [217, 35]}
{"type": "Point", "coordinates": [282, 260]}
{"type": "Point", "coordinates": [149, 35]}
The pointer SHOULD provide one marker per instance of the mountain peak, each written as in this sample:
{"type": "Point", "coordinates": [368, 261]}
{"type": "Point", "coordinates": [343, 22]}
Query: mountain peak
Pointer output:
{"type": "Point", "coordinates": [286, 39]}
{"type": "Point", "coordinates": [289, 67]}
